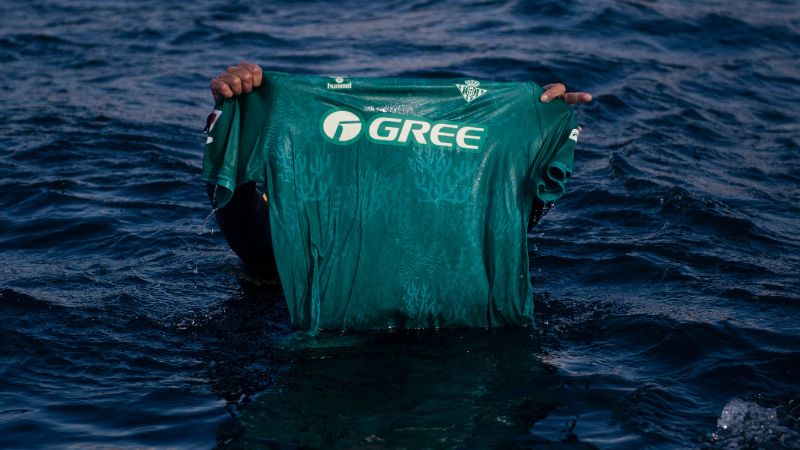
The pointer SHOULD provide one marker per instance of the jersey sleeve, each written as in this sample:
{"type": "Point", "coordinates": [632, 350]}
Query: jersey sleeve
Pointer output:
{"type": "Point", "coordinates": [553, 164]}
{"type": "Point", "coordinates": [234, 144]}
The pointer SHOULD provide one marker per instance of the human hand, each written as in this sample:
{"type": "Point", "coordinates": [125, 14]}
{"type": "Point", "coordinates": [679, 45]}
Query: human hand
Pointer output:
{"type": "Point", "coordinates": [556, 90]}
{"type": "Point", "coordinates": [236, 80]}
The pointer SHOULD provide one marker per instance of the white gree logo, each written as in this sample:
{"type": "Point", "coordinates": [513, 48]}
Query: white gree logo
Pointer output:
{"type": "Point", "coordinates": [470, 90]}
{"type": "Point", "coordinates": [341, 126]}
{"type": "Point", "coordinates": [344, 126]}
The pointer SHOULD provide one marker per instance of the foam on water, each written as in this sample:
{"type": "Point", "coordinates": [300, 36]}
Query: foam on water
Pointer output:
{"type": "Point", "coordinates": [746, 424]}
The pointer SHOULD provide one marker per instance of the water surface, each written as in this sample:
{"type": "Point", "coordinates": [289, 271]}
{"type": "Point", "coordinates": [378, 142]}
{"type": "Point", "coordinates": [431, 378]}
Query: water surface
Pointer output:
{"type": "Point", "coordinates": [667, 279]}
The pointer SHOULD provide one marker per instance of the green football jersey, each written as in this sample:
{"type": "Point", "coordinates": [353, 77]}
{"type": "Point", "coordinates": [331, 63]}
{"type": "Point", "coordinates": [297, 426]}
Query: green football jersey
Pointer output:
{"type": "Point", "coordinates": [396, 202]}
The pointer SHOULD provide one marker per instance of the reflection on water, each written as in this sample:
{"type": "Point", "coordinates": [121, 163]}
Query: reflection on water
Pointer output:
{"type": "Point", "coordinates": [407, 390]}
{"type": "Point", "coordinates": [399, 389]}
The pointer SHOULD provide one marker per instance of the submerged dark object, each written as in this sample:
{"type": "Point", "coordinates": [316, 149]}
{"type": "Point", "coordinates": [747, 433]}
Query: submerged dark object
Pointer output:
{"type": "Point", "coordinates": [245, 225]}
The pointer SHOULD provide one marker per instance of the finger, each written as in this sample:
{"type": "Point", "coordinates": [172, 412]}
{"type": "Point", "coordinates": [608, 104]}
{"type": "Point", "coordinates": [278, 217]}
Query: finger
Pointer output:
{"type": "Point", "coordinates": [216, 89]}
{"type": "Point", "coordinates": [245, 76]}
{"type": "Point", "coordinates": [254, 70]}
{"type": "Point", "coordinates": [553, 91]}
{"type": "Point", "coordinates": [233, 82]}
{"type": "Point", "coordinates": [220, 89]}
{"type": "Point", "coordinates": [574, 98]}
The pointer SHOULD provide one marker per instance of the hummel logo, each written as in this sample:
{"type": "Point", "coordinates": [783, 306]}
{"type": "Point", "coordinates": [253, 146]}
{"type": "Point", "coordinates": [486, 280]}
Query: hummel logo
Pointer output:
{"type": "Point", "coordinates": [341, 83]}
{"type": "Point", "coordinates": [470, 90]}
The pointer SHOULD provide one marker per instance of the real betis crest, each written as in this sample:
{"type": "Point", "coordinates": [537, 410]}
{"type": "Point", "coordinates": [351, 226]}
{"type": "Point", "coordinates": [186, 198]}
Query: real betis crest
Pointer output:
{"type": "Point", "coordinates": [470, 90]}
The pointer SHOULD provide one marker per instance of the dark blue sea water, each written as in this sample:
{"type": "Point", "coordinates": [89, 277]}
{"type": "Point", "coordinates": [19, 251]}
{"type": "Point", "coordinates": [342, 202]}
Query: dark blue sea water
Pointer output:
{"type": "Point", "coordinates": [667, 280]}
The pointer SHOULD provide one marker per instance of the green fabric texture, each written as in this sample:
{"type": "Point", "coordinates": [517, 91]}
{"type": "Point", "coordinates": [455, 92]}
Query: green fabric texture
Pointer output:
{"type": "Point", "coordinates": [397, 202]}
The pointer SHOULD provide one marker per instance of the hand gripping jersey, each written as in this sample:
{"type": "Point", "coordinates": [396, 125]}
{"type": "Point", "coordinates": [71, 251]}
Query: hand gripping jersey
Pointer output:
{"type": "Point", "coordinates": [396, 202]}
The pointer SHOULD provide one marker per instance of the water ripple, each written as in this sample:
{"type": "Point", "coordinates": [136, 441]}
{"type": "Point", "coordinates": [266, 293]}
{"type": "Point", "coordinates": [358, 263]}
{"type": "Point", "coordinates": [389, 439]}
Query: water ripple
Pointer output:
{"type": "Point", "coordinates": [666, 279]}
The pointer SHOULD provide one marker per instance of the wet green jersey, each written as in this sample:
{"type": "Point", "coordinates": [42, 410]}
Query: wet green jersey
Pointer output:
{"type": "Point", "coordinates": [396, 202]}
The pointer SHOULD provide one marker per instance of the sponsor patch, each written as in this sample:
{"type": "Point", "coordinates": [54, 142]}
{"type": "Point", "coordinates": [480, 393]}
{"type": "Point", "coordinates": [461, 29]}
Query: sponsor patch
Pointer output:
{"type": "Point", "coordinates": [342, 126]}
{"type": "Point", "coordinates": [211, 120]}
{"type": "Point", "coordinates": [574, 134]}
